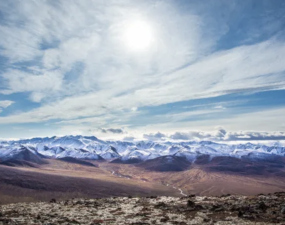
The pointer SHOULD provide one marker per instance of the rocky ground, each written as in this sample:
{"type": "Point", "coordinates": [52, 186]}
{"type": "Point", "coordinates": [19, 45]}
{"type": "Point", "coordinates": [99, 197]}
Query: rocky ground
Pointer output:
{"type": "Point", "coordinates": [230, 209]}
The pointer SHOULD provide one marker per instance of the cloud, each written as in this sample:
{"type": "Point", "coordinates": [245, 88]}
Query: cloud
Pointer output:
{"type": "Point", "coordinates": [129, 138]}
{"type": "Point", "coordinates": [262, 119]}
{"type": "Point", "coordinates": [246, 68]}
{"type": "Point", "coordinates": [218, 135]}
{"type": "Point", "coordinates": [5, 103]}
{"type": "Point", "coordinates": [70, 57]}
{"type": "Point", "coordinates": [254, 136]}
{"type": "Point", "coordinates": [153, 137]}
{"type": "Point", "coordinates": [89, 32]}
{"type": "Point", "coordinates": [191, 135]}
{"type": "Point", "coordinates": [39, 84]}
{"type": "Point", "coordinates": [226, 78]}
{"type": "Point", "coordinates": [112, 130]}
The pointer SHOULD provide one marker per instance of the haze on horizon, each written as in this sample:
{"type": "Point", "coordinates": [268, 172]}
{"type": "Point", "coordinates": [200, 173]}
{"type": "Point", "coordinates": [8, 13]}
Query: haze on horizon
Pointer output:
{"type": "Point", "coordinates": [153, 69]}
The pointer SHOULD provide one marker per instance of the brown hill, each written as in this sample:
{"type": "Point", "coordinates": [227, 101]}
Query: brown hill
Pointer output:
{"type": "Point", "coordinates": [165, 164]}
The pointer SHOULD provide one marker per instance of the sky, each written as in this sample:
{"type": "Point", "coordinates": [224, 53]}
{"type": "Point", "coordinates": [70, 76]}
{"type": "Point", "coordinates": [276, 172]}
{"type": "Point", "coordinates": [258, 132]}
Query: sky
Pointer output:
{"type": "Point", "coordinates": [179, 69]}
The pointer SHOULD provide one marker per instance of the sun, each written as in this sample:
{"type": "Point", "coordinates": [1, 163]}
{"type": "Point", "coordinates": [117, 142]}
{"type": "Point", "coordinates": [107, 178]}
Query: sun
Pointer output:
{"type": "Point", "coordinates": [138, 35]}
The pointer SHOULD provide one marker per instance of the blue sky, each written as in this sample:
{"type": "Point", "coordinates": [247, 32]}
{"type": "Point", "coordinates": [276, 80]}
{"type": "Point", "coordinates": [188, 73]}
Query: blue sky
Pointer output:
{"type": "Point", "coordinates": [142, 67]}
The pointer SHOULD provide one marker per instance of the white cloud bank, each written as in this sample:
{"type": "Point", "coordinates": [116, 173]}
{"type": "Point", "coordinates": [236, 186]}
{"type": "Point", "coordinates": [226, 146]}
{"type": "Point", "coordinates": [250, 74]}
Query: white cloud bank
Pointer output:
{"type": "Point", "coordinates": [218, 135]}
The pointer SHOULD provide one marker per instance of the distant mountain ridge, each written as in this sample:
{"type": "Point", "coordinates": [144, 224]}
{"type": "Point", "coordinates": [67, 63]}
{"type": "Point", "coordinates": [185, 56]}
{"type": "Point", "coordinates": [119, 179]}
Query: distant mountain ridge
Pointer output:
{"type": "Point", "coordinates": [92, 148]}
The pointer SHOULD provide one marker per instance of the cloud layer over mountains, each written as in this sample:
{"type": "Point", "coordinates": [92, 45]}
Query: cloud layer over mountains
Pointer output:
{"type": "Point", "coordinates": [219, 135]}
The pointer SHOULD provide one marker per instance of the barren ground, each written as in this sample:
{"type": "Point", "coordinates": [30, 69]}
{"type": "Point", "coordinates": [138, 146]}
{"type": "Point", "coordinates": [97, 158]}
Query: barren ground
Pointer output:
{"type": "Point", "coordinates": [262, 209]}
{"type": "Point", "coordinates": [63, 180]}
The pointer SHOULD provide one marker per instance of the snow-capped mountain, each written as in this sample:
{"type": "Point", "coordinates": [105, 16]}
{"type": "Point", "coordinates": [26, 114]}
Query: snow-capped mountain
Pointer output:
{"type": "Point", "coordinates": [90, 147]}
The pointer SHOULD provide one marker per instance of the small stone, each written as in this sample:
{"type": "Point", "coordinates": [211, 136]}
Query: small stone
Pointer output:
{"type": "Point", "coordinates": [160, 204]}
{"type": "Point", "coordinates": [283, 210]}
{"type": "Point", "coordinates": [74, 221]}
{"type": "Point", "coordinates": [165, 219]}
{"type": "Point", "coordinates": [226, 195]}
{"type": "Point", "coordinates": [248, 216]}
{"type": "Point", "coordinates": [240, 213]}
{"type": "Point", "coordinates": [206, 220]}
{"type": "Point", "coordinates": [97, 221]}
{"type": "Point", "coordinates": [262, 206]}
{"type": "Point", "coordinates": [190, 203]}
{"type": "Point", "coordinates": [53, 200]}
{"type": "Point", "coordinates": [279, 218]}
{"type": "Point", "coordinates": [219, 209]}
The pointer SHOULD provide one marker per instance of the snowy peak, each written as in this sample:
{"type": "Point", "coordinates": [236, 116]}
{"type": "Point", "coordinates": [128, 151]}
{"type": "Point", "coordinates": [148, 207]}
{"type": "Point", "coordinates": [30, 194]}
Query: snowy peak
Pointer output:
{"type": "Point", "coordinates": [22, 156]}
{"type": "Point", "coordinates": [90, 147]}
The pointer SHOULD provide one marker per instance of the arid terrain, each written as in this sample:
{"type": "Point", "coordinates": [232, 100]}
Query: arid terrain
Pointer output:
{"type": "Point", "coordinates": [91, 179]}
{"type": "Point", "coordinates": [166, 190]}
{"type": "Point", "coordinates": [142, 112]}
{"type": "Point", "coordinates": [229, 209]}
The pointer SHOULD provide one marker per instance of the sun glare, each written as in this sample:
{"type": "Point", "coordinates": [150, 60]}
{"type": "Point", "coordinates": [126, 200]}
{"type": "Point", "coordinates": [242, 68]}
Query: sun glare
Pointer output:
{"type": "Point", "coordinates": [138, 35]}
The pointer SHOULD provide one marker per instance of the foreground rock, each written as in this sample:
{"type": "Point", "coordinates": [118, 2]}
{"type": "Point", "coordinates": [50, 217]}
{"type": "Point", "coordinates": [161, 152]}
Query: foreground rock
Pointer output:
{"type": "Point", "coordinates": [262, 209]}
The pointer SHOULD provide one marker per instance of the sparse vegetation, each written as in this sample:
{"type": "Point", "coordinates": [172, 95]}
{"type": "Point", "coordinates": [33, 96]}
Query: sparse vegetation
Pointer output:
{"type": "Point", "coordinates": [234, 209]}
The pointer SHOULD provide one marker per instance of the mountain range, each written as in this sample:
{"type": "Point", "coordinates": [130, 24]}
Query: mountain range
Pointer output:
{"type": "Point", "coordinates": [39, 169]}
{"type": "Point", "coordinates": [92, 148]}
{"type": "Point", "coordinates": [160, 156]}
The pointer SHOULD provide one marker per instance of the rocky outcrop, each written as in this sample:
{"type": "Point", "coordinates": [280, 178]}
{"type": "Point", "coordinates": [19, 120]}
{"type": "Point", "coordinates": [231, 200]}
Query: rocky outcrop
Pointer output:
{"type": "Point", "coordinates": [261, 209]}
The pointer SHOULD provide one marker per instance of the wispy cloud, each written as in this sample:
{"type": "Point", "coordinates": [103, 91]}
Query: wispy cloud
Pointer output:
{"type": "Point", "coordinates": [210, 77]}
{"type": "Point", "coordinates": [4, 104]}
{"type": "Point", "coordinates": [264, 120]}
{"type": "Point", "coordinates": [70, 57]}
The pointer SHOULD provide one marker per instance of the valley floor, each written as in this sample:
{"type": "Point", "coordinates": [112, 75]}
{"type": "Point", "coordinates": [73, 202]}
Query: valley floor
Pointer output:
{"type": "Point", "coordinates": [64, 180]}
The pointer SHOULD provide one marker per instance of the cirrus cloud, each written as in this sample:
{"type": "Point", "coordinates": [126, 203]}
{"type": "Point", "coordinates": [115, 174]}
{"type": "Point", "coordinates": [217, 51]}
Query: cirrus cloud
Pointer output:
{"type": "Point", "coordinates": [71, 59]}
